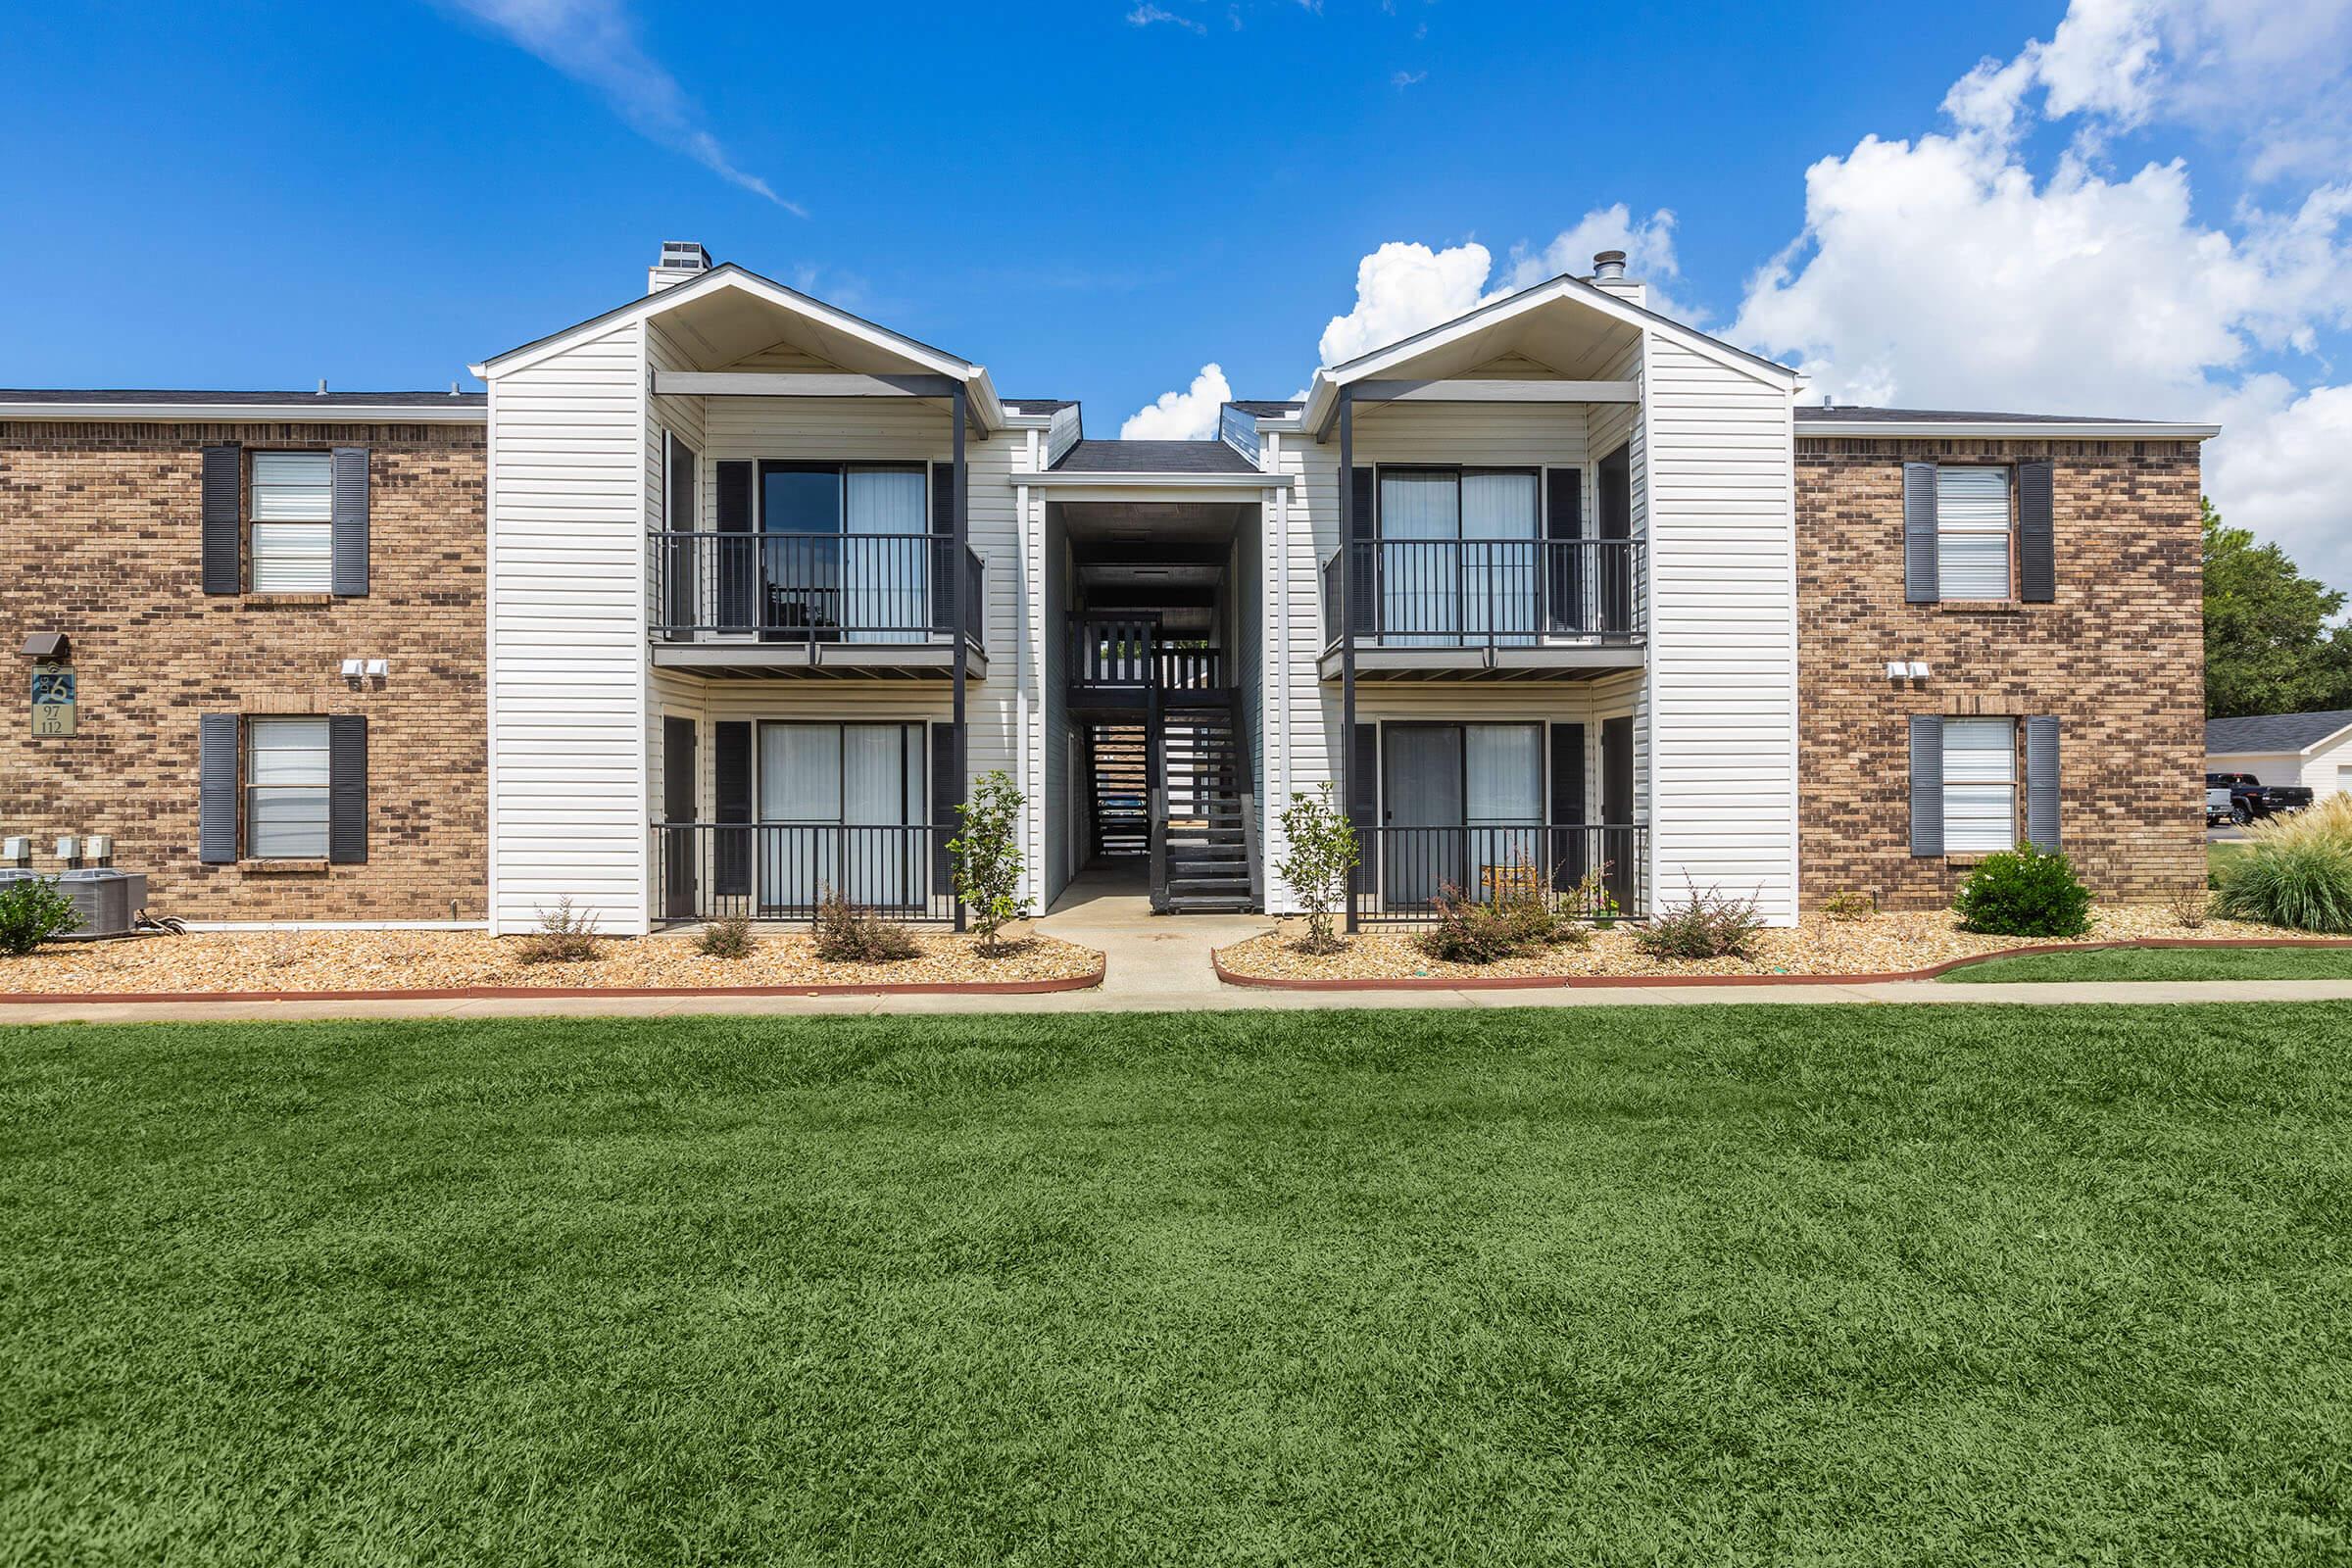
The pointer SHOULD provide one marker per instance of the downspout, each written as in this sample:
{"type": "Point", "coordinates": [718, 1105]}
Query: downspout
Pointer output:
{"type": "Point", "coordinates": [1347, 522]}
{"type": "Point", "coordinates": [956, 550]}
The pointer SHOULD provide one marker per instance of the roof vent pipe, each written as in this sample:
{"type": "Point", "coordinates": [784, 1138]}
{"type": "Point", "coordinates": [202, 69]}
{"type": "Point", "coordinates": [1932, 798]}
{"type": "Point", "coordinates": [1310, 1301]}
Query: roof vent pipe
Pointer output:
{"type": "Point", "coordinates": [1608, 267]}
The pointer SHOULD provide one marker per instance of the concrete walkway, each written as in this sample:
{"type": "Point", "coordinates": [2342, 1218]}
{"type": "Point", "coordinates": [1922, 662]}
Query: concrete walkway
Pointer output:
{"type": "Point", "coordinates": [1160, 964]}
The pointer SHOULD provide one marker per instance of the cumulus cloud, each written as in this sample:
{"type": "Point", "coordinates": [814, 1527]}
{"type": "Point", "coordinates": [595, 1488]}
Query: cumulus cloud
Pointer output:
{"type": "Point", "coordinates": [1405, 287]}
{"type": "Point", "coordinates": [1944, 271]}
{"type": "Point", "coordinates": [1647, 243]}
{"type": "Point", "coordinates": [1187, 415]}
{"type": "Point", "coordinates": [595, 43]}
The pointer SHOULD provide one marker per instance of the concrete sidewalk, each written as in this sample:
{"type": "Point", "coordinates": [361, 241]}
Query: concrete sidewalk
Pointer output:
{"type": "Point", "coordinates": [1161, 965]}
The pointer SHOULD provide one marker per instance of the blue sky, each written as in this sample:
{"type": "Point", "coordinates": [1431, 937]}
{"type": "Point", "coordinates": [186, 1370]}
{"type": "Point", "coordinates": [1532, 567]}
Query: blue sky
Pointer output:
{"type": "Point", "coordinates": [1096, 200]}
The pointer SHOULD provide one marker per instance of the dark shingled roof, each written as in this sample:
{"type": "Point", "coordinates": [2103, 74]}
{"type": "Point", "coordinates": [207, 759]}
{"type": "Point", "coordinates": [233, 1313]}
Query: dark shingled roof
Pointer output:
{"type": "Point", "coordinates": [1843, 415]}
{"type": "Point", "coordinates": [1154, 457]}
{"type": "Point", "coordinates": [2271, 732]}
{"type": "Point", "coordinates": [324, 400]}
{"type": "Point", "coordinates": [1038, 405]}
{"type": "Point", "coordinates": [1266, 407]}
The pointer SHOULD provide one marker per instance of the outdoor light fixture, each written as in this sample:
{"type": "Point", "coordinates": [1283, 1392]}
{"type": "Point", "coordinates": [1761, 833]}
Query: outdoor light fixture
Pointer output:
{"type": "Point", "coordinates": [352, 668]}
{"type": "Point", "coordinates": [1897, 670]}
{"type": "Point", "coordinates": [380, 667]}
{"type": "Point", "coordinates": [1919, 669]}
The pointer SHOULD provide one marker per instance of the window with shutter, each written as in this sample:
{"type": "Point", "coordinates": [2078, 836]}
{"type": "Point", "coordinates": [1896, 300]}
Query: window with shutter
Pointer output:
{"type": "Point", "coordinates": [293, 518]}
{"type": "Point", "coordinates": [286, 776]}
{"type": "Point", "coordinates": [1980, 785]}
{"type": "Point", "coordinates": [1972, 532]}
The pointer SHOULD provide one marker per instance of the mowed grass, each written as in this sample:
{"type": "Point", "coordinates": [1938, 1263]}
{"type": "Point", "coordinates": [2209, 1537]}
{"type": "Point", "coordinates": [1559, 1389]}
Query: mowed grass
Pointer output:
{"type": "Point", "coordinates": [2219, 853]}
{"type": "Point", "coordinates": [1688, 1284]}
{"type": "Point", "coordinates": [2165, 963]}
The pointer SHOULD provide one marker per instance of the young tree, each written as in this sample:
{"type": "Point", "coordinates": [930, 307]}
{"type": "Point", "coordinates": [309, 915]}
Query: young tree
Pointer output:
{"type": "Point", "coordinates": [1322, 853]}
{"type": "Point", "coordinates": [2268, 645]}
{"type": "Point", "coordinates": [988, 857]}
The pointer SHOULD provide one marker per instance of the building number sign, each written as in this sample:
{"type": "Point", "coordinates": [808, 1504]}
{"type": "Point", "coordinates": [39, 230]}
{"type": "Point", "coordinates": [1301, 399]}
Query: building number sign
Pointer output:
{"type": "Point", "coordinates": [52, 698]}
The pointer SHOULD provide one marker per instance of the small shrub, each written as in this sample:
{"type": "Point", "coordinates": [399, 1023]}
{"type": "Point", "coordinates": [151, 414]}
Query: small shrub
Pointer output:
{"type": "Point", "coordinates": [2189, 907]}
{"type": "Point", "coordinates": [725, 939]}
{"type": "Point", "coordinates": [1523, 920]}
{"type": "Point", "coordinates": [846, 934]}
{"type": "Point", "coordinates": [1849, 905]}
{"type": "Point", "coordinates": [1322, 851]}
{"type": "Point", "coordinates": [2024, 892]}
{"type": "Point", "coordinates": [987, 857]}
{"type": "Point", "coordinates": [1704, 926]}
{"type": "Point", "coordinates": [1591, 899]}
{"type": "Point", "coordinates": [31, 912]}
{"type": "Point", "coordinates": [2294, 871]}
{"type": "Point", "coordinates": [564, 937]}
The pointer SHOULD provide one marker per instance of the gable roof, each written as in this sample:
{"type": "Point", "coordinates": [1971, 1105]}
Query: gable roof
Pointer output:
{"type": "Point", "coordinates": [2274, 732]}
{"type": "Point", "coordinates": [1153, 456]}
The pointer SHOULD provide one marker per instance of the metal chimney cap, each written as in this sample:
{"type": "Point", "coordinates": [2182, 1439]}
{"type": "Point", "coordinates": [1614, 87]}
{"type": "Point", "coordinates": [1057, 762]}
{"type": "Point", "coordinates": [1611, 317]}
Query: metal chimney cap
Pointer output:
{"type": "Point", "coordinates": [1609, 264]}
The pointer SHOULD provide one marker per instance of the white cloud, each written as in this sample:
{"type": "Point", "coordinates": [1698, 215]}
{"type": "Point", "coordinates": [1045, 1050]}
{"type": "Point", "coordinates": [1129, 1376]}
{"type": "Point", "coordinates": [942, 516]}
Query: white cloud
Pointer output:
{"type": "Point", "coordinates": [1943, 272]}
{"type": "Point", "coordinates": [1405, 287]}
{"type": "Point", "coordinates": [1407, 78]}
{"type": "Point", "coordinates": [1144, 16]}
{"type": "Point", "coordinates": [1647, 243]}
{"type": "Point", "coordinates": [595, 42]}
{"type": "Point", "coordinates": [1187, 415]}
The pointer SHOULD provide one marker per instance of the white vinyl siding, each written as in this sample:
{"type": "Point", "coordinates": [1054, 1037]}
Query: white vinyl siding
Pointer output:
{"type": "Point", "coordinates": [285, 789]}
{"type": "Point", "coordinates": [292, 522]}
{"type": "Point", "coordinates": [1972, 532]}
{"type": "Point", "coordinates": [1980, 785]}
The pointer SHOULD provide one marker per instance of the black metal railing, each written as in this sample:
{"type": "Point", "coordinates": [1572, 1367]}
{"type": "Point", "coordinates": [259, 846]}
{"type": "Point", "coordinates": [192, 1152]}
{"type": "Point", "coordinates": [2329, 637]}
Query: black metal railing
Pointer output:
{"type": "Point", "coordinates": [1131, 652]}
{"type": "Point", "coordinates": [782, 871]}
{"type": "Point", "coordinates": [1592, 870]}
{"type": "Point", "coordinates": [833, 588]}
{"type": "Point", "coordinates": [1477, 593]}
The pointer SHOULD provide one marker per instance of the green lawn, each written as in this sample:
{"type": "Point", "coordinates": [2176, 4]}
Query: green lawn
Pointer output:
{"type": "Point", "coordinates": [1687, 1285]}
{"type": "Point", "coordinates": [2166, 963]}
{"type": "Point", "coordinates": [2219, 853]}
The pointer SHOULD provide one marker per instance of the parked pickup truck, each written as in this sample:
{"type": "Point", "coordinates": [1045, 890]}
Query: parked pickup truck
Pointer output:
{"type": "Point", "coordinates": [2251, 799]}
{"type": "Point", "coordinates": [2219, 807]}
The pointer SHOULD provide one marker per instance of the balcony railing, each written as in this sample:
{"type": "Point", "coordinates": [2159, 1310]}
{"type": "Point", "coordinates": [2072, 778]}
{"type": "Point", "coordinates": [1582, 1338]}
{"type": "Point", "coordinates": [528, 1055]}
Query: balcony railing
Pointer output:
{"type": "Point", "coordinates": [797, 588]}
{"type": "Point", "coordinates": [1589, 870]}
{"type": "Point", "coordinates": [782, 871]}
{"type": "Point", "coordinates": [1486, 593]}
{"type": "Point", "coordinates": [1113, 652]}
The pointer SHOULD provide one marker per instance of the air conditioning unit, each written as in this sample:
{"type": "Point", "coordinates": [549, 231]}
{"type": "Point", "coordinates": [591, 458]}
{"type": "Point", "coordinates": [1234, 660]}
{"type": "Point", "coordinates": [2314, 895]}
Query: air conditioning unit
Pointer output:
{"type": "Point", "coordinates": [107, 900]}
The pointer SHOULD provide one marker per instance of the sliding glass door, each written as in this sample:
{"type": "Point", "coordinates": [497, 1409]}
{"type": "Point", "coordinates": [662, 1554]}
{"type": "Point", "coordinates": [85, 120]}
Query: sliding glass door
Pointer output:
{"type": "Point", "coordinates": [844, 552]}
{"type": "Point", "coordinates": [799, 551]}
{"type": "Point", "coordinates": [885, 556]}
{"type": "Point", "coordinates": [1458, 556]}
{"type": "Point", "coordinates": [841, 807]}
{"type": "Point", "coordinates": [1464, 810]}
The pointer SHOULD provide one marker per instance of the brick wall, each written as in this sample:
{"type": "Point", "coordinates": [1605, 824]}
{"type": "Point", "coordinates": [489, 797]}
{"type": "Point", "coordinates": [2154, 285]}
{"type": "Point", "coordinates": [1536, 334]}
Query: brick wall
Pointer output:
{"type": "Point", "coordinates": [99, 533]}
{"type": "Point", "coordinates": [2119, 657]}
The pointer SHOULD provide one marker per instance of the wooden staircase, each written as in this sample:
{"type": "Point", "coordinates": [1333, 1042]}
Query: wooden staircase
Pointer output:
{"type": "Point", "coordinates": [1207, 830]}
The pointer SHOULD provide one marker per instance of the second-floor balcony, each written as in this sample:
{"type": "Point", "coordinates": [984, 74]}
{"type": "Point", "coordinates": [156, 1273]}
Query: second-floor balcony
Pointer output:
{"type": "Point", "coordinates": [1567, 608]}
{"type": "Point", "coordinates": [841, 604]}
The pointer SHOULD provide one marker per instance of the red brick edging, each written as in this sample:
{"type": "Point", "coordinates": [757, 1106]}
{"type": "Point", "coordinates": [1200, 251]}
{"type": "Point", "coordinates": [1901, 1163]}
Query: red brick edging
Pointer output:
{"type": "Point", "coordinates": [1556, 982]}
{"type": "Point", "coordinates": [910, 988]}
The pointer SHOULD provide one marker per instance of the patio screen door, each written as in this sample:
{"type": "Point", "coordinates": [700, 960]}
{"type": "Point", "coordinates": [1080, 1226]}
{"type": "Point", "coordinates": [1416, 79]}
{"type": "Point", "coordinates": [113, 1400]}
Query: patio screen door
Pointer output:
{"type": "Point", "coordinates": [1424, 817]}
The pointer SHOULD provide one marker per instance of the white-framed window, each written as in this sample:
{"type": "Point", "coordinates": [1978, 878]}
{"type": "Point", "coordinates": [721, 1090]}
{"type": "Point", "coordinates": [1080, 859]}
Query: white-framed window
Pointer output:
{"type": "Point", "coordinates": [1972, 532]}
{"type": "Point", "coordinates": [285, 789]}
{"type": "Point", "coordinates": [1980, 785]}
{"type": "Point", "coordinates": [293, 522]}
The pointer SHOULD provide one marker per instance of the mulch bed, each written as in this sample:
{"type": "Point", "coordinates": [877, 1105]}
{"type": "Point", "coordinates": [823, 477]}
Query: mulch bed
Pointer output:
{"type": "Point", "coordinates": [1885, 946]}
{"type": "Point", "coordinates": [289, 964]}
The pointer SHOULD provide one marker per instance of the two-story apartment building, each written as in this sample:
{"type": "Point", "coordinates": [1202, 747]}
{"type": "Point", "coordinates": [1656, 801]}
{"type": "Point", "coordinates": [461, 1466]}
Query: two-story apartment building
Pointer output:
{"type": "Point", "coordinates": [724, 597]}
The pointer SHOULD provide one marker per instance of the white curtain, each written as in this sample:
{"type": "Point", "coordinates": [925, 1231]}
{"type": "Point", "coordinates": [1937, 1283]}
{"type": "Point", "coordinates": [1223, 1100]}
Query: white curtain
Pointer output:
{"type": "Point", "coordinates": [820, 786]}
{"type": "Point", "coordinates": [1504, 765]}
{"type": "Point", "coordinates": [1498, 555]}
{"type": "Point", "coordinates": [1420, 530]}
{"type": "Point", "coordinates": [799, 798]}
{"type": "Point", "coordinates": [882, 789]}
{"type": "Point", "coordinates": [885, 578]}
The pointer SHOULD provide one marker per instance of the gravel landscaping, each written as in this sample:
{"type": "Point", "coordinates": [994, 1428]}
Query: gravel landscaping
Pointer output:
{"type": "Point", "coordinates": [1884, 944]}
{"type": "Point", "coordinates": [434, 960]}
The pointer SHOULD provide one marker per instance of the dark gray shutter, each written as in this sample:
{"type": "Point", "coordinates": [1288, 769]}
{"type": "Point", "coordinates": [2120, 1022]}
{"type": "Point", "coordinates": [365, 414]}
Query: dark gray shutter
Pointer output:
{"type": "Point", "coordinates": [217, 789]}
{"type": "Point", "coordinates": [2041, 782]}
{"type": "Point", "coordinates": [2037, 534]}
{"type": "Point", "coordinates": [679, 841]}
{"type": "Point", "coordinates": [1927, 784]}
{"type": "Point", "coordinates": [1363, 777]}
{"type": "Point", "coordinates": [1570, 855]}
{"type": "Point", "coordinates": [1364, 512]}
{"type": "Point", "coordinates": [738, 574]}
{"type": "Point", "coordinates": [943, 547]}
{"type": "Point", "coordinates": [1563, 575]}
{"type": "Point", "coordinates": [1919, 535]}
{"type": "Point", "coordinates": [731, 798]}
{"type": "Point", "coordinates": [348, 572]}
{"type": "Point", "coordinates": [347, 789]}
{"type": "Point", "coordinates": [223, 521]}
{"type": "Point", "coordinates": [679, 562]}
{"type": "Point", "coordinates": [946, 788]}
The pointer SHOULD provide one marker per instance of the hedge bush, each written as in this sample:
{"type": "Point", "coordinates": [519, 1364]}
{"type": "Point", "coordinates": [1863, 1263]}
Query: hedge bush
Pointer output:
{"type": "Point", "coordinates": [2024, 892]}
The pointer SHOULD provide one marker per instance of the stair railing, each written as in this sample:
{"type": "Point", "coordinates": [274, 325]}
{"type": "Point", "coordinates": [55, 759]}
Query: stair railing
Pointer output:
{"type": "Point", "coordinates": [1155, 776]}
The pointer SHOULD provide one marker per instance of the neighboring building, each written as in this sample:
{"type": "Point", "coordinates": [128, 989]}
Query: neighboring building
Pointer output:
{"type": "Point", "coordinates": [2313, 750]}
{"type": "Point", "coordinates": [1562, 586]}
{"type": "Point", "coordinates": [215, 562]}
